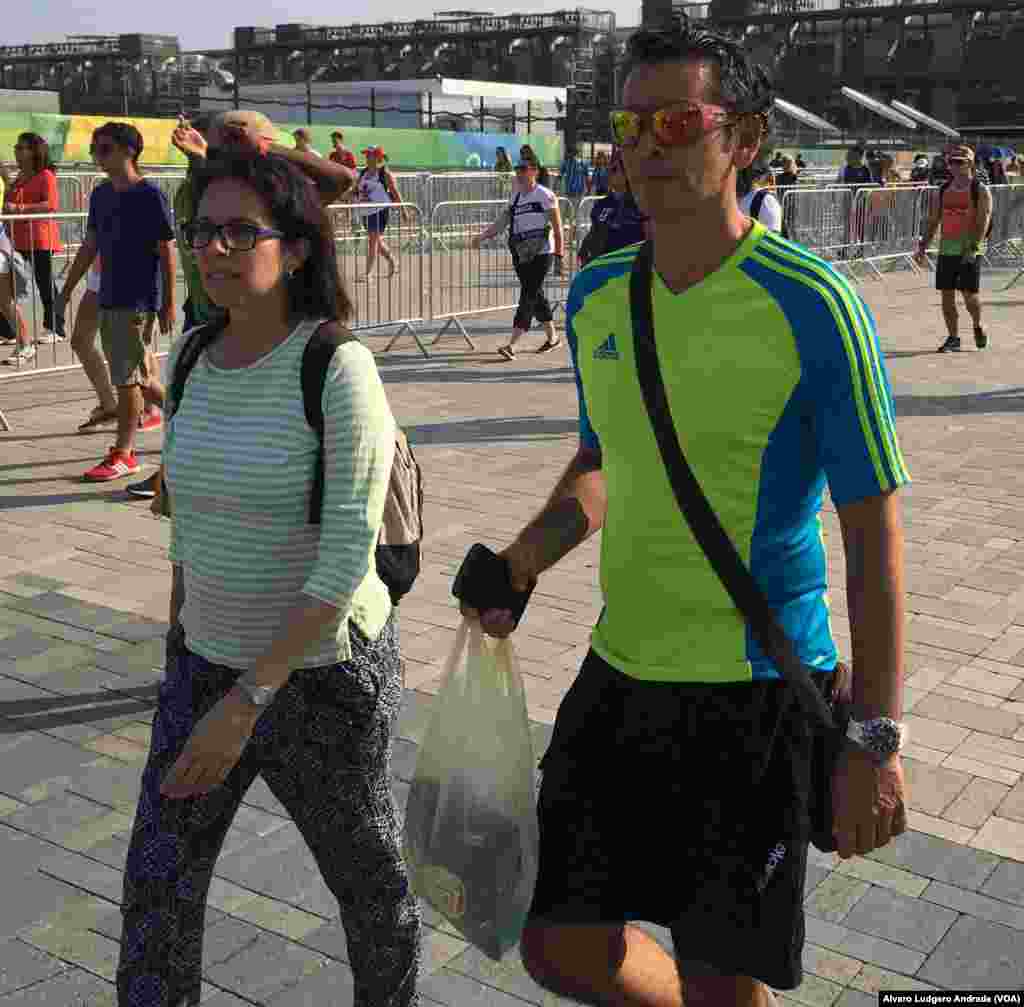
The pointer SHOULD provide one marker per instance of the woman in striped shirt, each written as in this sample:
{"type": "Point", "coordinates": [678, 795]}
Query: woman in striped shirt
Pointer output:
{"type": "Point", "coordinates": [283, 654]}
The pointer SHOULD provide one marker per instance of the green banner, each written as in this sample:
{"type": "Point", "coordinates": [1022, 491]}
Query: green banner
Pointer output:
{"type": "Point", "coordinates": [70, 136]}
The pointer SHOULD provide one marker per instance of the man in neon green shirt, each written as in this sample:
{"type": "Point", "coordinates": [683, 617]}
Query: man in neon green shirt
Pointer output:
{"type": "Point", "coordinates": [675, 786]}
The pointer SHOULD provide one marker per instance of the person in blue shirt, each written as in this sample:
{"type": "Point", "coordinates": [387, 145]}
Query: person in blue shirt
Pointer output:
{"type": "Point", "coordinates": [575, 175]}
{"type": "Point", "coordinates": [599, 178]}
{"type": "Point", "coordinates": [616, 220]}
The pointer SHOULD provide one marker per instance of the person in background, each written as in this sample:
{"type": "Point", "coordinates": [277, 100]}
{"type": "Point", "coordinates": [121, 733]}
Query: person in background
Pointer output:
{"type": "Point", "coordinates": [962, 217]}
{"type": "Point", "coordinates": [615, 221]}
{"type": "Point", "coordinates": [282, 660]}
{"type": "Point", "coordinates": [790, 174]}
{"type": "Point", "coordinates": [855, 171]}
{"type": "Point", "coordinates": [131, 229]}
{"type": "Point", "coordinates": [527, 154]}
{"type": "Point", "coordinates": [598, 183]}
{"type": "Point", "coordinates": [12, 324]}
{"type": "Point", "coordinates": [34, 190]}
{"type": "Point", "coordinates": [341, 154]}
{"type": "Point", "coordinates": [996, 171]}
{"type": "Point", "coordinates": [939, 173]}
{"type": "Point", "coordinates": [574, 175]}
{"type": "Point", "coordinates": [532, 216]}
{"type": "Point", "coordinates": [800, 162]}
{"type": "Point", "coordinates": [920, 170]}
{"type": "Point", "coordinates": [888, 175]}
{"type": "Point", "coordinates": [502, 162]}
{"type": "Point", "coordinates": [239, 133]}
{"type": "Point", "coordinates": [376, 185]}
{"type": "Point", "coordinates": [754, 187]}
{"type": "Point", "coordinates": [304, 142]}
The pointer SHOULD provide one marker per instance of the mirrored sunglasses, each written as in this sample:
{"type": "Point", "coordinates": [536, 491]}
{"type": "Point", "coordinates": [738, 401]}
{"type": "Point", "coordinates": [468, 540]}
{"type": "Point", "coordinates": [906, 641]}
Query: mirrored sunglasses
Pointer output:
{"type": "Point", "coordinates": [674, 125]}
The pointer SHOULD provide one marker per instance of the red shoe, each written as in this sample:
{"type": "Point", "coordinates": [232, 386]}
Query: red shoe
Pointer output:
{"type": "Point", "coordinates": [151, 419]}
{"type": "Point", "coordinates": [116, 465]}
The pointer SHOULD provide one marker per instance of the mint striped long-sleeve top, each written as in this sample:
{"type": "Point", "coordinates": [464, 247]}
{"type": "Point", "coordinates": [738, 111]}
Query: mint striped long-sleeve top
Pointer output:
{"type": "Point", "coordinates": [239, 456]}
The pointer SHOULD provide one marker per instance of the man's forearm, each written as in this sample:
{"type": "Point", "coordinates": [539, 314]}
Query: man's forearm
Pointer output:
{"type": "Point", "coordinates": [574, 512]}
{"type": "Point", "coordinates": [875, 599]}
{"type": "Point", "coordinates": [167, 270]}
{"type": "Point", "coordinates": [83, 260]}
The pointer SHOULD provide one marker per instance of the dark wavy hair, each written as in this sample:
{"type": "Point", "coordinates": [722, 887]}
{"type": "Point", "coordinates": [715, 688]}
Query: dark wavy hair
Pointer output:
{"type": "Point", "coordinates": [124, 134]}
{"type": "Point", "coordinates": [743, 86]}
{"type": "Point", "coordinates": [315, 290]}
{"type": "Point", "coordinates": [40, 151]}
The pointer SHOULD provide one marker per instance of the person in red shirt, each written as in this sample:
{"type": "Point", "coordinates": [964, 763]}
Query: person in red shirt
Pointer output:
{"type": "Point", "coordinates": [341, 154]}
{"type": "Point", "coordinates": [34, 191]}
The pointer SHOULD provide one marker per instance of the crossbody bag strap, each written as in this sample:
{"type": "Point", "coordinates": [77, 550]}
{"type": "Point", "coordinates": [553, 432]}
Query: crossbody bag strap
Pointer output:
{"type": "Point", "coordinates": [713, 539]}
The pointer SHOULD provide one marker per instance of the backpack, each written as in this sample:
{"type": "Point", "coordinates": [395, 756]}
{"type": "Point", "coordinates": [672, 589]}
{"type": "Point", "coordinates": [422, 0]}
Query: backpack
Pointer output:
{"type": "Point", "coordinates": [398, 548]}
{"type": "Point", "coordinates": [975, 191]}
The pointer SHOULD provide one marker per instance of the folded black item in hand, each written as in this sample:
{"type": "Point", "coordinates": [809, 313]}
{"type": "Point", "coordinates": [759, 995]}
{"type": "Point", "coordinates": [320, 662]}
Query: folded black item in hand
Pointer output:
{"type": "Point", "coordinates": [484, 581]}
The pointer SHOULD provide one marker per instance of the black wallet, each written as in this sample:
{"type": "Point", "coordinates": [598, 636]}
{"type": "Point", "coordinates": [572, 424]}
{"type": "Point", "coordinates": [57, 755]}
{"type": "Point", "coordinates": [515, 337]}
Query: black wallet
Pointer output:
{"type": "Point", "coordinates": [484, 581]}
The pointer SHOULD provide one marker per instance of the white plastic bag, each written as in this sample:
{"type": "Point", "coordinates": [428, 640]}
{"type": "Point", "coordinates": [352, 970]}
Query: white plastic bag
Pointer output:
{"type": "Point", "coordinates": [471, 838]}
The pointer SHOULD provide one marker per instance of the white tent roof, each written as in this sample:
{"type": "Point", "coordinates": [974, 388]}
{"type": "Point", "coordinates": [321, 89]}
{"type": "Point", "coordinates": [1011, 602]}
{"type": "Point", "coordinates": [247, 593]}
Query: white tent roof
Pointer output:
{"type": "Point", "coordinates": [866, 101]}
{"type": "Point", "coordinates": [802, 115]}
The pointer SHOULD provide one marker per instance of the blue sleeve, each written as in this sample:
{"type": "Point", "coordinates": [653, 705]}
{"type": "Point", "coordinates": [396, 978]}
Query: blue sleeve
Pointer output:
{"type": "Point", "coordinates": [588, 437]}
{"type": "Point", "coordinates": [164, 222]}
{"type": "Point", "coordinates": [851, 400]}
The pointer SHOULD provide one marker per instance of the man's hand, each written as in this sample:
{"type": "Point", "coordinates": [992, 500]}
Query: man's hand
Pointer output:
{"type": "Point", "coordinates": [166, 318]}
{"type": "Point", "coordinates": [868, 802]}
{"type": "Point", "coordinates": [189, 141]}
{"type": "Point", "coordinates": [499, 622]}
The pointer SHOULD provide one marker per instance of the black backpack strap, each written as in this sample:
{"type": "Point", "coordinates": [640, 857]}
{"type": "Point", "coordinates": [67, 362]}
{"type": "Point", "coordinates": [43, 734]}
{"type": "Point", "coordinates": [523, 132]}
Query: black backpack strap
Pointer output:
{"type": "Point", "coordinates": [198, 341]}
{"type": "Point", "coordinates": [757, 202]}
{"type": "Point", "coordinates": [713, 539]}
{"type": "Point", "coordinates": [316, 358]}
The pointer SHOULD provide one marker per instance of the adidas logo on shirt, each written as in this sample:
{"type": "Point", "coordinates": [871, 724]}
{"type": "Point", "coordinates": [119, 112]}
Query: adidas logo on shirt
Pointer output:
{"type": "Point", "coordinates": [607, 350]}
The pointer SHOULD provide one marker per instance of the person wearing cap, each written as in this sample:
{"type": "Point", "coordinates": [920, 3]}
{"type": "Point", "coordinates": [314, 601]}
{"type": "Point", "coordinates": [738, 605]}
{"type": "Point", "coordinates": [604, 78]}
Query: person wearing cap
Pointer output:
{"type": "Point", "coordinates": [855, 171]}
{"type": "Point", "coordinates": [920, 171]}
{"type": "Point", "coordinates": [615, 221]}
{"type": "Point", "coordinates": [756, 197]}
{"type": "Point", "coordinates": [790, 174]}
{"type": "Point", "coordinates": [962, 217]}
{"type": "Point", "coordinates": [376, 187]}
{"type": "Point", "coordinates": [341, 154]}
{"type": "Point", "coordinates": [304, 142]}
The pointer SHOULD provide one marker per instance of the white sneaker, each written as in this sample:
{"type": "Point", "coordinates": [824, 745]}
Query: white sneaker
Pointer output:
{"type": "Point", "coordinates": [22, 355]}
{"type": "Point", "coordinates": [48, 338]}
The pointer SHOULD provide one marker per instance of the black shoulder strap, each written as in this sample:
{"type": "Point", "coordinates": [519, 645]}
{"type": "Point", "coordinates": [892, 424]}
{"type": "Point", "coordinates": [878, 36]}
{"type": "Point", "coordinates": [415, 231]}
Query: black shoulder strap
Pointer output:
{"type": "Point", "coordinates": [757, 202]}
{"type": "Point", "coordinates": [512, 217]}
{"type": "Point", "coordinates": [745, 592]}
{"type": "Point", "coordinates": [316, 358]}
{"type": "Point", "coordinates": [199, 339]}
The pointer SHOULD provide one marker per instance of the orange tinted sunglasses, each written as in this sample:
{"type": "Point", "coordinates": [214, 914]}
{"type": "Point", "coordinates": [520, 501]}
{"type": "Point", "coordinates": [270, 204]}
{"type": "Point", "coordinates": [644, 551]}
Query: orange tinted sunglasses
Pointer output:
{"type": "Point", "coordinates": [675, 125]}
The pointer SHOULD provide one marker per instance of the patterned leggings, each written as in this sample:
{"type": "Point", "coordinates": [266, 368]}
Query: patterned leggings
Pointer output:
{"type": "Point", "coordinates": [324, 748]}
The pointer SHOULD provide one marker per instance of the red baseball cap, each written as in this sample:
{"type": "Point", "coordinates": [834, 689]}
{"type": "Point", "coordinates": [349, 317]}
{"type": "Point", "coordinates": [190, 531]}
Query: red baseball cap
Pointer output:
{"type": "Point", "coordinates": [377, 152]}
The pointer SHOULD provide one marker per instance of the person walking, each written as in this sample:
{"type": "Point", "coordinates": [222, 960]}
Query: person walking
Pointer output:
{"type": "Point", "coordinates": [790, 174]}
{"type": "Point", "coordinates": [241, 133]}
{"type": "Point", "coordinates": [533, 224]}
{"type": "Point", "coordinates": [12, 323]}
{"type": "Point", "coordinates": [340, 154]}
{"type": "Point", "coordinates": [776, 386]}
{"type": "Point", "coordinates": [34, 191]}
{"type": "Point", "coordinates": [527, 153]}
{"type": "Point", "coordinates": [376, 185]}
{"type": "Point", "coordinates": [574, 175]}
{"type": "Point", "coordinates": [856, 170]}
{"type": "Point", "coordinates": [285, 665]}
{"type": "Point", "coordinates": [304, 142]}
{"type": "Point", "coordinates": [615, 221]}
{"type": "Point", "coordinates": [502, 162]}
{"type": "Point", "coordinates": [598, 183]}
{"type": "Point", "coordinates": [962, 217]}
{"type": "Point", "coordinates": [130, 228]}
{"type": "Point", "coordinates": [756, 197]}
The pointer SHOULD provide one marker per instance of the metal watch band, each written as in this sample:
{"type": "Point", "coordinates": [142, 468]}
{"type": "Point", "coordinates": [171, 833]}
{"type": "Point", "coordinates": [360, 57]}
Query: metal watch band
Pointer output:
{"type": "Point", "coordinates": [258, 695]}
{"type": "Point", "coordinates": [880, 736]}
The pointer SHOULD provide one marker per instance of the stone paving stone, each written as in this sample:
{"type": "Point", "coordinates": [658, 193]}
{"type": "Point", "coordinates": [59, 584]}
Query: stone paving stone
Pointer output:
{"type": "Point", "coordinates": [66, 934]}
{"type": "Point", "coordinates": [854, 998]}
{"type": "Point", "coordinates": [334, 984]}
{"type": "Point", "coordinates": [973, 904]}
{"type": "Point", "coordinates": [863, 947]}
{"type": "Point", "coordinates": [833, 899]}
{"type": "Point", "coordinates": [902, 920]}
{"type": "Point", "coordinates": [871, 980]}
{"type": "Point", "coordinates": [931, 857]}
{"type": "Point", "coordinates": [1001, 836]}
{"type": "Point", "coordinates": [74, 988]}
{"type": "Point", "coordinates": [458, 990]}
{"type": "Point", "coordinates": [1012, 805]}
{"type": "Point", "coordinates": [935, 733]}
{"type": "Point", "coordinates": [932, 788]}
{"type": "Point", "coordinates": [403, 759]}
{"type": "Point", "coordinates": [23, 965]}
{"type": "Point", "coordinates": [267, 968]}
{"type": "Point", "coordinates": [110, 782]}
{"type": "Point", "coordinates": [278, 917]}
{"type": "Point", "coordinates": [815, 992]}
{"type": "Point", "coordinates": [815, 876]}
{"type": "Point", "coordinates": [1006, 882]}
{"type": "Point", "coordinates": [883, 875]}
{"type": "Point", "coordinates": [56, 816]}
{"type": "Point", "coordinates": [84, 873]}
{"type": "Point", "coordinates": [36, 757]}
{"type": "Point", "coordinates": [938, 827]}
{"type": "Point", "coordinates": [976, 954]}
{"type": "Point", "coordinates": [828, 964]}
{"type": "Point", "coordinates": [977, 718]}
{"type": "Point", "coordinates": [996, 774]}
{"type": "Point", "coordinates": [976, 803]}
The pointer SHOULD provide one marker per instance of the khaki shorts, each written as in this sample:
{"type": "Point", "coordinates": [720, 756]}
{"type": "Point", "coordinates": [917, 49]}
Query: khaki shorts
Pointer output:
{"type": "Point", "coordinates": [127, 337]}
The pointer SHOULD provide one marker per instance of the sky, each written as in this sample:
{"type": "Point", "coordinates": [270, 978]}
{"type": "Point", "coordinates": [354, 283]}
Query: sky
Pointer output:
{"type": "Point", "coordinates": [209, 25]}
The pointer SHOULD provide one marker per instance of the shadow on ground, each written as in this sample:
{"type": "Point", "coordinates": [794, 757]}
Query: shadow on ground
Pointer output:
{"type": "Point", "coordinates": [1001, 400]}
{"type": "Point", "coordinates": [529, 428]}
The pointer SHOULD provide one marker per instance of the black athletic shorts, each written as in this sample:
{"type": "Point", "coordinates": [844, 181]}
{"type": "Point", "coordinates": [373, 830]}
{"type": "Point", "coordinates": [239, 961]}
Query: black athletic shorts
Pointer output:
{"type": "Point", "coordinates": [952, 273]}
{"type": "Point", "coordinates": [685, 806]}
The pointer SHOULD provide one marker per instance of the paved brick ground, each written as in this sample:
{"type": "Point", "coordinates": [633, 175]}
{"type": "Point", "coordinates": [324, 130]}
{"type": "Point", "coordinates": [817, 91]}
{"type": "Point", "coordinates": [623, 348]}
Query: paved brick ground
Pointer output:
{"type": "Point", "coordinates": [83, 596]}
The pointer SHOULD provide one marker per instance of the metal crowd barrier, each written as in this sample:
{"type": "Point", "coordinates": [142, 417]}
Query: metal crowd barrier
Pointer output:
{"type": "Point", "coordinates": [891, 222]}
{"type": "Point", "coordinates": [824, 221]}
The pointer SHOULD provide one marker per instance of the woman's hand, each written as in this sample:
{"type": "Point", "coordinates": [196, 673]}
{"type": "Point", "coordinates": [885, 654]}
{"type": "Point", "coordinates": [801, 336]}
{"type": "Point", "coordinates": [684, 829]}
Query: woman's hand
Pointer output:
{"type": "Point", "coordinates": [213, 749]}
{"type": "Point", "coordinates": [189, 141]}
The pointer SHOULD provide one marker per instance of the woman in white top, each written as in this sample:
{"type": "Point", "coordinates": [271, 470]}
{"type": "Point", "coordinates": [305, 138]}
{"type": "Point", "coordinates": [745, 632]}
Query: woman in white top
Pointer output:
{"type": "Point", "coordinates": [376, 185]}
{"type": "Point", "coordinates": [533, 223]}
{"type": "Point", "coordinates": [759, 201]}
{"type": "Point", "coordinates": [282, 659]}
{"type": "Point", "coordinates": [8, 293]}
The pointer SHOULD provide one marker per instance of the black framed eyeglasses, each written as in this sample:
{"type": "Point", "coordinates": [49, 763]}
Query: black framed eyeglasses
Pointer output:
{"type": "Point", "coordinates": [235, 235]}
